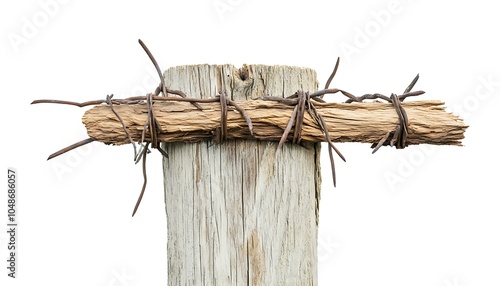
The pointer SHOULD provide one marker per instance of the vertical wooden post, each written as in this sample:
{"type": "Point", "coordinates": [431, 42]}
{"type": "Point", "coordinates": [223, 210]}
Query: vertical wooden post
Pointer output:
{"type": "Point", "coordinates": [241, 212]}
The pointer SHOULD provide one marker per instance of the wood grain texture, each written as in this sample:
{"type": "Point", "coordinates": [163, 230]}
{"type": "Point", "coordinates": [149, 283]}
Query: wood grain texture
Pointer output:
{"type": "Point", "coordinates": [241, 212]}
{"type": "Point", "coordinates": [355, 122]}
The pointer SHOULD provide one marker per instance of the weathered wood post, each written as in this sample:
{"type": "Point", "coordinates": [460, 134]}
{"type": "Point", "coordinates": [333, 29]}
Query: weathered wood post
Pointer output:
{"type": "Point", "coordinates": [244, 212]}
{"type": "Point", "coordinates": [241, 212]}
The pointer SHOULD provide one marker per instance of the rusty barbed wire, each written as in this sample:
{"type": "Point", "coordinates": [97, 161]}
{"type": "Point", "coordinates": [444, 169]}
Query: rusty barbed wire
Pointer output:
{"type": "Point", "coordinates": [70, 147]}
{"type": "Point", "coordinates": [151, 124]}
{"type": "Point", "coordinates": [110, 103]}
{"type": "Point", "coordinates": [304, 101]}
{"type": "Point", "coordinates": [301, 100]}
{"type": "Point", "coordinates": [400, 133]}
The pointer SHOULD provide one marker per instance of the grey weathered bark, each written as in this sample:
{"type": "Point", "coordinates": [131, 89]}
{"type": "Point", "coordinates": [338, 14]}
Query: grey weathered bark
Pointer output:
{"type": "Point", "coordinates": [241, 212]}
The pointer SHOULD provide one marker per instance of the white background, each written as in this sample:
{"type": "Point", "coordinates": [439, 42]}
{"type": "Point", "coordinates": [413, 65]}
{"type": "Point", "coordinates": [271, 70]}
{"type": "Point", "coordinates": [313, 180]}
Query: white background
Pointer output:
{"type": "Point", "coordinates": [420, 216]}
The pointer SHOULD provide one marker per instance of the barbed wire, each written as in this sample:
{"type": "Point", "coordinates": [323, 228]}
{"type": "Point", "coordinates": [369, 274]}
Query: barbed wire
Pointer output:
{"type": "Point", "coordinates": [301, 100]}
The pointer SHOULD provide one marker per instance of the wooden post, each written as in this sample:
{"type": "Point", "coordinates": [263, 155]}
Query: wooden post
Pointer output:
{"type": "Point", "coordinates": [241, 212]}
